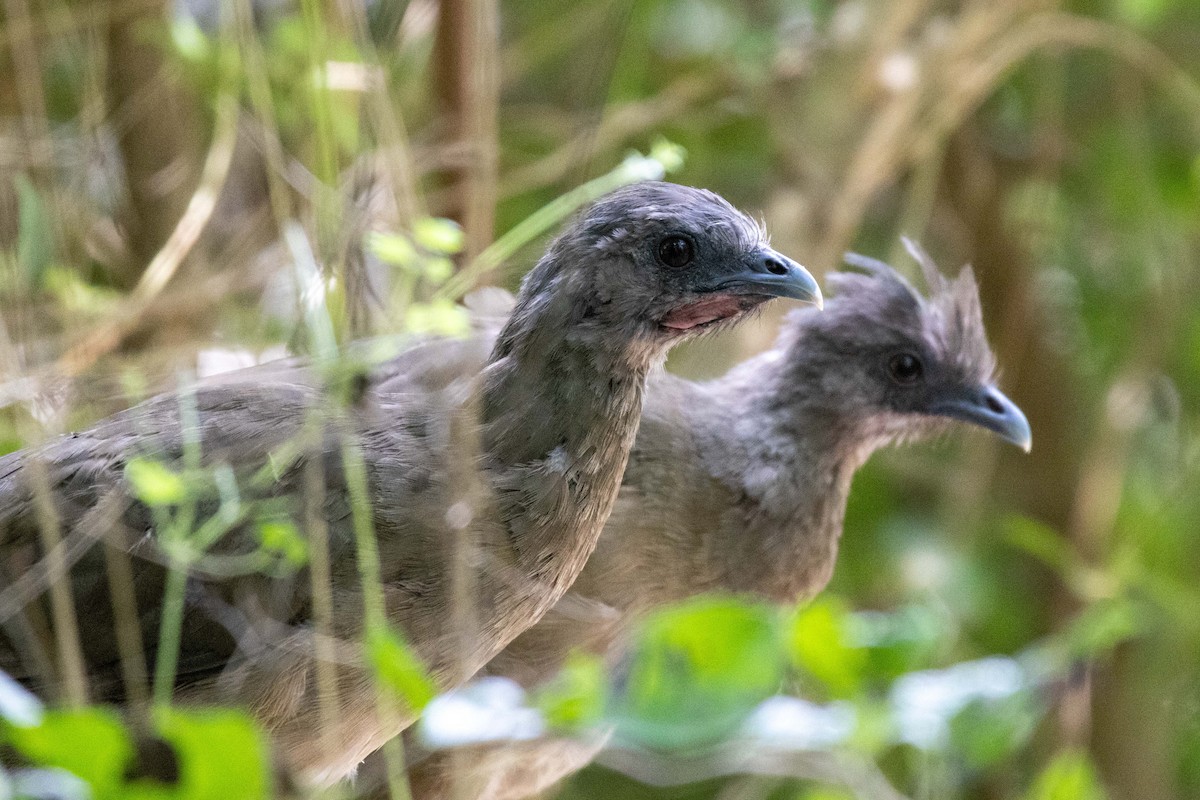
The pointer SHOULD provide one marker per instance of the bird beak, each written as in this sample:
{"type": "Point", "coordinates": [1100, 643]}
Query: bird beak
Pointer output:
{"type": "Point", "coordinates": [770, 273]}
{"type": "Point", "coordinates": [988, 408]}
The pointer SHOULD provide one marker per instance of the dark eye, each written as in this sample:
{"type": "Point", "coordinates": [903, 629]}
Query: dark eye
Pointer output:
{"type": "Point", "coordinates": [905, 368]}
{"type": "Point", "coordinates": [676, 251]}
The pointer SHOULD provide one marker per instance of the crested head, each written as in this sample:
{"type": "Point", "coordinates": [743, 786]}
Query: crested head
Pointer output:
{"type": "Point", "coordinates": [948, 320]}
{"type": "Point", "coordinates": [654, 262]}
{"type": "Point", "coordinates": [894, 363]}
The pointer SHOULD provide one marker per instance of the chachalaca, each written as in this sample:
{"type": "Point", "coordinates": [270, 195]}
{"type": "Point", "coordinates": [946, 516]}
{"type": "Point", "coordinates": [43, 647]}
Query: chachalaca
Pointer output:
{"type": "Point", "coordinates": [740, 484]}
{"type": "Point", "coordinates": [553, 411]}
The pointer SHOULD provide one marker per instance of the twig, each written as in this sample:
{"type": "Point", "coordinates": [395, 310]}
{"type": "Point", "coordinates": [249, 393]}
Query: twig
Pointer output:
{"type": "Point", "coordinates": [66, 625]}
{"type": "Point", "coordinates": [466, 82]}
{"type": "Point", "coordinates": [165, 263]}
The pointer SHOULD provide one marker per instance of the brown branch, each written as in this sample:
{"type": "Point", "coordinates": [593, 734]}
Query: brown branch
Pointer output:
{"type": "Point", "coordinates": [156, 123]}
{"type": "Point", "coordinates": [466, 82]}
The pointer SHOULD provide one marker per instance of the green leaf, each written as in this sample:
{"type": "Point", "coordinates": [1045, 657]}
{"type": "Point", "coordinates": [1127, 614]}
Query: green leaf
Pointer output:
{"type": "Point", "coordinates": [75, 294]}
{"type": "Point", "coordinates": [1042, 542]}
{"type": "Point", "coordinates": [698, 670]}
{"type": "Point", "coordinates": [221, 754]}
{"type": "Point", "coordinates": [670, 155]}
{"type": "Point", "coordinates": [438, 235]}
{"type": "Point", "coordinates": [393, 248]}
{"type": "Point", "coordinates": [90, 743]}
{"type": "Point", "coordinates": [987, 731]}
{"type": "Point", "coordinates": [1103, 625]}
{"type": "Point", "coordinates": [281, 537]}
{"type": "Point", "coordinates": [821, 646]}
{"type": "Point", "coordinates": [1070, 776]}
{"type": "Point", "coordinates": [155, 484]}
{"type": "Point", "coordinates": [576, 697]}
{"type": "Point", "coordinates": [398, 668]}
{"type": "Point", "coordinates": [439, 317]}
{"type": "Point", "coordinates": [437, 270]}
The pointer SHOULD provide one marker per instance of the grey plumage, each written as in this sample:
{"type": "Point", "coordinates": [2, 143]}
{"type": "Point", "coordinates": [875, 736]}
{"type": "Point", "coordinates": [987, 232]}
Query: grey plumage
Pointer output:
{"type": "Point", "coordinates": [740, 484]}
{"type": "Point", "coordinates": [556, 403]}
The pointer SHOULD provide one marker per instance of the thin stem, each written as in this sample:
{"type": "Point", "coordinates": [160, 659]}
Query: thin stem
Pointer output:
{"type": "Point", "coordinates": [167, 659]}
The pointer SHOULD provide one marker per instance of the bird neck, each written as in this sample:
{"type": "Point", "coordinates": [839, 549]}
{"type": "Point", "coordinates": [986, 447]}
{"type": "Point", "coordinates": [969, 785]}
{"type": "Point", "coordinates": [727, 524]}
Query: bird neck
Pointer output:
{"type": "Point", "coordinates": [798, 448]}
{"type": "Point", "coordinates": [555, 380]}
{"type": "Point", "coordinates": [561, 399]}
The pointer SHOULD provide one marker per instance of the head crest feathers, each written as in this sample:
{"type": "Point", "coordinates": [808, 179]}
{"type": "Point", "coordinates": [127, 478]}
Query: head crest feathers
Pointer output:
{"type": "Point", "coordinates": [949, 315]}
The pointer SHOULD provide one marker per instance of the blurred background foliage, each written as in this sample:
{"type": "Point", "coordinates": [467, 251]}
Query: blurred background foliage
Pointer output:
{"type": "Point", "coordinates": [164, 164]}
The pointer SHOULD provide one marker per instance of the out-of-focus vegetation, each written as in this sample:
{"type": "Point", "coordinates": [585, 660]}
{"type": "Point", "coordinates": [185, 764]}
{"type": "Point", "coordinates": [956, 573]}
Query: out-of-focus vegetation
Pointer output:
{"type": "Point", "coordinates": [999, 626]}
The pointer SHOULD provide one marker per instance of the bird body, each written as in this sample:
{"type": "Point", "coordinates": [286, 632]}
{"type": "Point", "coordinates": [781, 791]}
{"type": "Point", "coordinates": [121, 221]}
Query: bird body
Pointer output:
{"type": "Point", "coordinates": [511, 472]}
{"type": "Point", "coordinates": [740, 484]}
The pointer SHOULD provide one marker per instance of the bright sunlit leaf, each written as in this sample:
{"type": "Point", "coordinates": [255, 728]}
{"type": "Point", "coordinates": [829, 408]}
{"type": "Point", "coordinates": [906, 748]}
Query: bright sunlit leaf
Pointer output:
{"type": "Point", "coordinates": [155, 484]}
{"type": "Point", "coordinates": [393, 248]}
{"type": "Point", "coordinates": [439, 235]}
{"type": "Point", "coordinates": [221, 754]}
{"type": "Point", "coordinates": [281, 536]}
{"type": "Point", "coordinates": [1070, 776]}
{"type": "Point", "coordinates": [577, 695]}
{"type": "Point", "coordinates": [821, 646]}
{"type": "Point", "coordinates": [398, 668]}
{"type": "Point", "coordinates": [439, 318]}
{"type": "Point", "coordinates": [90, 743]}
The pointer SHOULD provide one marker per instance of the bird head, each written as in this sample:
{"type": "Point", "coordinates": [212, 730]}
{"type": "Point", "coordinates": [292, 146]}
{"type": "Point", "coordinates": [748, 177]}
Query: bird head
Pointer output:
{"type": "Point", "coordinates": [670, 261]}
{"type": "Point", "coordinates": [902, 365]}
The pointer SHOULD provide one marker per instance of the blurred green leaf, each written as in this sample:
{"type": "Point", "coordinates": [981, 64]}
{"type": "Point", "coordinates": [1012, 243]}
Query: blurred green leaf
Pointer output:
{"type": "Point", "coordinates": [398, 668]}
{"type": "Point", "coordinates": [1070, 776]}
{"type": "Point", "coordinates": [1103, 625]}
{"type": "Point", "coordinates": [1042, 542]}
{"type": "Point", "coordinates": [987, 731]}
{"type": "Point", "coordinates": [154, 483]}
{"type": "Point", "coordinates": [221, 754]}
{"type": "Point", "coordinates": [440, 317]}
{"type": "Point", "coordinates": [438, 235]}
{"type": "Point", "coordinates": [669, 154]}
{"type": "Point", "coordinates": [821, 645]}
{"type": "Point", "coordinates": [699, 668]}
{"type": "Point", "coordinates": [393, 248]}
{"type": "Point", "coordinates": [438, 270]}
{"type": "Point", "coordinates": [576, 697]}
{"type": "Point", "coordinates": [90, 743]}
{"type": "Point", "coordinates": [825, 793]}
{"type": "Point", "coordinates": [77, 295]}
{"type": "Point", "coordinates": [281, 536]}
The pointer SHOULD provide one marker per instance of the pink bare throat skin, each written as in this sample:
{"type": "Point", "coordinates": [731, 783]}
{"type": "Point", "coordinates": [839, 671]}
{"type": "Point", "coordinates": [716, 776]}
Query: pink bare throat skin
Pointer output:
{"type": "Point", "coordinates": [711, 309]}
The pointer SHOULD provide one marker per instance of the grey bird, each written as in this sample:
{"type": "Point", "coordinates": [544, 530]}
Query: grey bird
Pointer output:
{"type": "Point", "coordinates": [740, 484]}
{"type": "Point", "coordinates": [556, 404]}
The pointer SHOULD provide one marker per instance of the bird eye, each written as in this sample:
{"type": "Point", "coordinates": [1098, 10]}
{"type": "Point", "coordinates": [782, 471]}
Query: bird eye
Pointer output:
{"type": "Point", "coordinates": [905, 368]}
{"type": "Point", "coordinates": [676, 251]}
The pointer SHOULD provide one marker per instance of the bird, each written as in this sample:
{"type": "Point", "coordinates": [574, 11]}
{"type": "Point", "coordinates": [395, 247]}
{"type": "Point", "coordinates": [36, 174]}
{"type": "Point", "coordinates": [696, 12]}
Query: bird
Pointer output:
{"type": "Point", "coordinates": [740, 484]}
{"type": "Point", "coordinates": [521, 462]}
